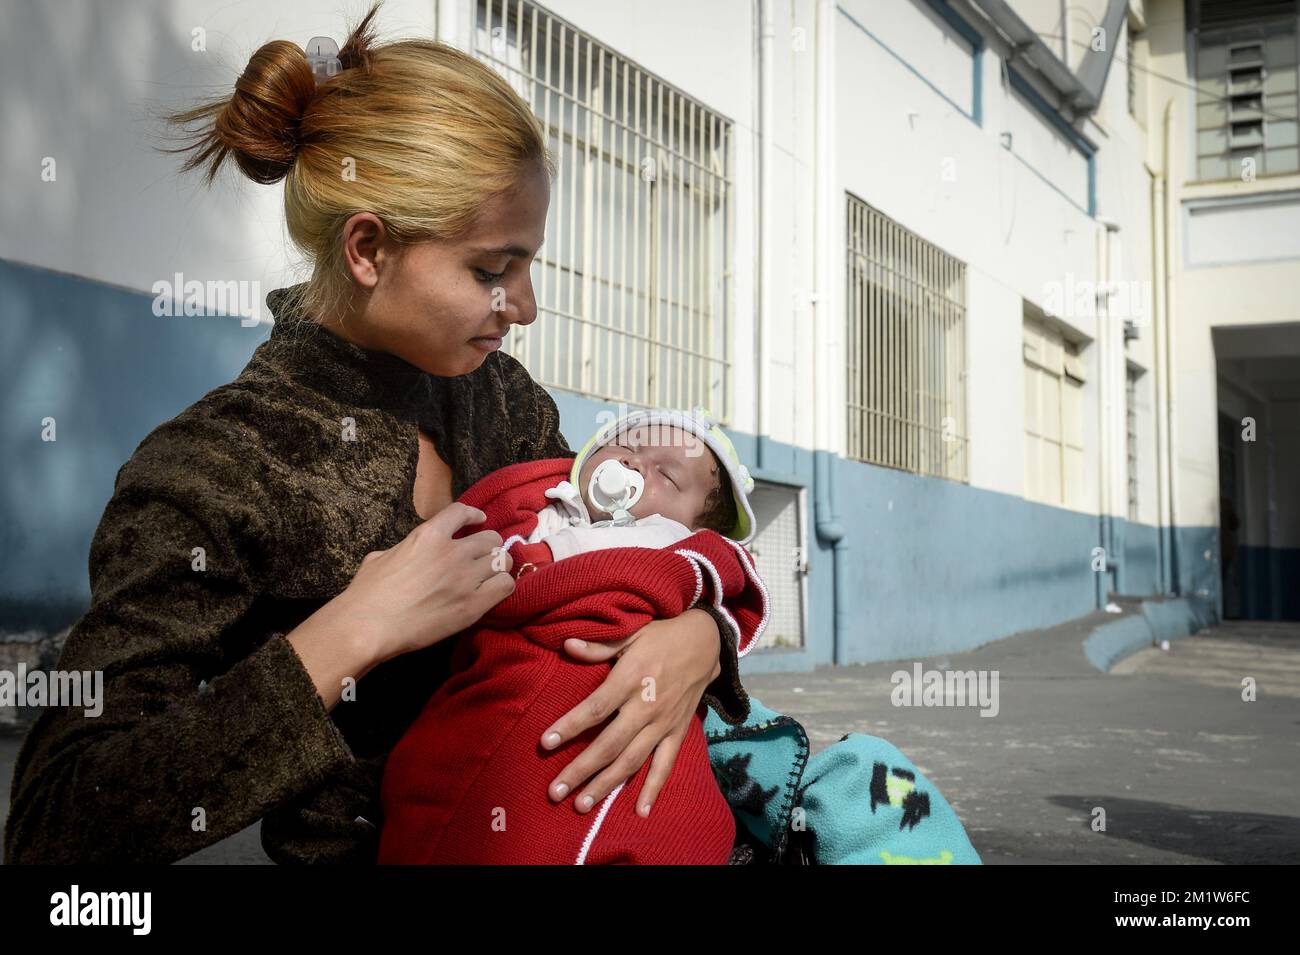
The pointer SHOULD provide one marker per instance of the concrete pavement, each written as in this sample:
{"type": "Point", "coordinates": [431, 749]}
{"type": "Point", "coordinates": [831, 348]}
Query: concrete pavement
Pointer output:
{"type": "Point", "coordinates": [1185, 770]}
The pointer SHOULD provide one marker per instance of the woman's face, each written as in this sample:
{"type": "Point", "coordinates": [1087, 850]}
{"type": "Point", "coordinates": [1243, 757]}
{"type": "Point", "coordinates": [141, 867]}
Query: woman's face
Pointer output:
{"type": "Point", "coordinates": [443, 306]}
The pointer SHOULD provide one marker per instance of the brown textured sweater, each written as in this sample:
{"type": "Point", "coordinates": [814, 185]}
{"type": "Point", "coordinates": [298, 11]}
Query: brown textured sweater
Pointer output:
{"type": "Point", "coordinates": [210, 721]}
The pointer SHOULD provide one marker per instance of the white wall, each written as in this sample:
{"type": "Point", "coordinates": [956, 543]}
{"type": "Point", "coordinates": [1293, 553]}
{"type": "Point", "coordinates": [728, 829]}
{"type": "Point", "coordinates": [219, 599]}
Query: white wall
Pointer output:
{"type": "Point", "coordinates": [1241, 230]}
{"type": "Point", "coordinates": [89, 93]}
{"type": "Point", "coordinates": [996, 397]}
{"type": "Point", "coordinates": [922, 38]}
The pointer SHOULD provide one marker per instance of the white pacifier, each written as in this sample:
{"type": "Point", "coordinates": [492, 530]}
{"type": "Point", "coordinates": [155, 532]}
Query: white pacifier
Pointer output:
{"type": "Point", "coordinates": [614, 489]}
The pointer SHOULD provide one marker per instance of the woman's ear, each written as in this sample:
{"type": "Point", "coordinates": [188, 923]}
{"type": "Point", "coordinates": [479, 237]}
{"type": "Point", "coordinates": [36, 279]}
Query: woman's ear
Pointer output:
{"type": "Point", "coordinates": [366, 246]}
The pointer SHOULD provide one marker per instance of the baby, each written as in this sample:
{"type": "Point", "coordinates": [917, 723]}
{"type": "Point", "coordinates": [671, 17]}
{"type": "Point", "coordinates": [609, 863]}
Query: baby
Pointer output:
{"type": "Point", "coordinates": [629, 531]}
{"type": "Point", "coordinates": [654, 483]}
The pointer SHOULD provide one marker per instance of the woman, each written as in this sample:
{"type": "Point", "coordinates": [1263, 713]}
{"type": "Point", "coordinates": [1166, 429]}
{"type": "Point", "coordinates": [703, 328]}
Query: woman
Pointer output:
{"type": "Point", "coordinates": [274, 577]}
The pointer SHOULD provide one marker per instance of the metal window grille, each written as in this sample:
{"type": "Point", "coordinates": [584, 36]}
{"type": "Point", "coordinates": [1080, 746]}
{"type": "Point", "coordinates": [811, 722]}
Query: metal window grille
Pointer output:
{"type": "Point", "coordinates": [1247, 64]}
{"type": "Point", "coordinates": [1130, 430]}
{"type": "Point", "coordinates": [780, 558]}
{"type": "Point", "coordinates": [906, 349]}
{"type": "Point", "coordinates": [633, 280]}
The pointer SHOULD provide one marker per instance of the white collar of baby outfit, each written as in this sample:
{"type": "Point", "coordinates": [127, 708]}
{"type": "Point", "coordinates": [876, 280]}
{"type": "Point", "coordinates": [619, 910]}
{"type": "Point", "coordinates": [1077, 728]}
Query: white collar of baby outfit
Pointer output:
{"type": "Point", "coordinates": [569, 501]}
{"type": "Point", "coordinates": [569, 498]}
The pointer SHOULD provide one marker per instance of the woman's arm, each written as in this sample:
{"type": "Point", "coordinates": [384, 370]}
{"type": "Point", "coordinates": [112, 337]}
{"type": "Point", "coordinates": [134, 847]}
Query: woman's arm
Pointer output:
{"type": "Point", "coordinates": [168, 768]}
{"type": "Point", "coordinates": [681, 655]}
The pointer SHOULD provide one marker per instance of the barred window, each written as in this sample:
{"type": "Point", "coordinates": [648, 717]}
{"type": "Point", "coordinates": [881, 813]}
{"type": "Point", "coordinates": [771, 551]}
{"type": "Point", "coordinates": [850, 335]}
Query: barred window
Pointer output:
{"type": "Point", "coordinates": [633, 279]}
{"type": "Point", "coordinates": [906, 349]}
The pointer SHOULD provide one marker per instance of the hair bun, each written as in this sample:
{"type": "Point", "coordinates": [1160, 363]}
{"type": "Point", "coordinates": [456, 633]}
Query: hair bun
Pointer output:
{"type": "Point", "coordinates": [260, 123]}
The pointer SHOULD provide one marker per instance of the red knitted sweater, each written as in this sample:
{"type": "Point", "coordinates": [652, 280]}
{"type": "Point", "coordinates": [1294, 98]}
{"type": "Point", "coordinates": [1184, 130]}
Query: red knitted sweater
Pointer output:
{"type": "Point", "coordinates": [468, 782]}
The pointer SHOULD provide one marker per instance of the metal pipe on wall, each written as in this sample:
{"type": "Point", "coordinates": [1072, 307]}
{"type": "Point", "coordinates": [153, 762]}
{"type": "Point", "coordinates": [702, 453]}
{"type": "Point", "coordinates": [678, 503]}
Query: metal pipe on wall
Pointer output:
{"type": "Point", "coordinates": [1103, 446]}
{"type": "Point", "coordinates": [827, 524]}
{"type": "Point", "coordinates": [1157, 344]}
{"type": "Point", "coordinates": [1170, 389]}
{"type": "Point", "coordinates": [445, 17]}
{"type": "Point", "coordinates": [766, 160]}
{"type": "Point", "coordinates": [1112, 357]}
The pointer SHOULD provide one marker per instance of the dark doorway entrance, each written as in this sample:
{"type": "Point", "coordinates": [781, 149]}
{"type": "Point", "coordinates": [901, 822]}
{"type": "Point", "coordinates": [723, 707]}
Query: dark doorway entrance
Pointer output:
{"type": "Point", "coordinates": [1259, 469]}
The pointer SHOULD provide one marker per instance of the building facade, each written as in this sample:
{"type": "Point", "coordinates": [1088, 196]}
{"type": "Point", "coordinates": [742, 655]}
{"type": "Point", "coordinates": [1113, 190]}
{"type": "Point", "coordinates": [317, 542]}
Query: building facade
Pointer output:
{"type": "Point", "coordinates": [997, 299]}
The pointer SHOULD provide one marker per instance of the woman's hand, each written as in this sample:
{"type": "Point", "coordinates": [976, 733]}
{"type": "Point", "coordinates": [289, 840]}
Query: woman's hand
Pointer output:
{"type": "Point", "coordinates": [427, 587]}
{"type": "Point", "coordinates": [680, 656]}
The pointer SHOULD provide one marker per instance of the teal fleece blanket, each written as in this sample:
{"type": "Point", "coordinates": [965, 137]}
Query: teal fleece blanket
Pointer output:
{"type": "Point", "coordinates": [860, 801]}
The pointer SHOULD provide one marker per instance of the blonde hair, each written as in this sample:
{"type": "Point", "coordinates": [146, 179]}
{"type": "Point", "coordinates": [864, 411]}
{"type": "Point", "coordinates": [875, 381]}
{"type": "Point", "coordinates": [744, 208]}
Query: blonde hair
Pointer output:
{"type": "Point", "coordinates": [430, 132]}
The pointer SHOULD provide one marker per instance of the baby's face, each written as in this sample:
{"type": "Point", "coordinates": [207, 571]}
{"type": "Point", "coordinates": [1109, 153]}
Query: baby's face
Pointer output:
{"type": "Point", "coordinates": [678, 468]}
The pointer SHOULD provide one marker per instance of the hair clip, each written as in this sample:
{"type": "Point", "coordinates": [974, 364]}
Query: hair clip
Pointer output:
{"type": "Point", "coordinates": [323, 57]}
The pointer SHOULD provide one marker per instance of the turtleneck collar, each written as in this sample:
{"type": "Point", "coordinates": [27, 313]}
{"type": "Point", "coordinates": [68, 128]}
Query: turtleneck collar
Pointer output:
{"type": "Point", "coordinates": [335, 367]}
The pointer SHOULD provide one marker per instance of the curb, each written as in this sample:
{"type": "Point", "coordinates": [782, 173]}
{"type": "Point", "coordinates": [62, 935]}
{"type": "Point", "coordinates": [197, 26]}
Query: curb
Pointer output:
{"type": "Point", "coordinates": [1158, 620]}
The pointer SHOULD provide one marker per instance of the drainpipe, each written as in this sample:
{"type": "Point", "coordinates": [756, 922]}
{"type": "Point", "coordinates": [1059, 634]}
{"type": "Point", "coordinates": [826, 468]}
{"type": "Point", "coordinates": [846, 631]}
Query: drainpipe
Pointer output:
{"type": "Point", "coordinates": [827, 523]}
{"type": "Point", "coordinates": [1159, 320]}
{"type": "Point", "coordinates": [1112, 359]}
{"type": "Point", "coordinates": [1170, 324]}
{"type": "Point", "coordinates": [1099, 583]}
{"type": "Point", "coordinates": [446, 22]}
{"type": "Point", "coordinates": [766, 162]}
{"type": "Point", "coordinates": [1065, 33]}
{"type": "Point", "coordinates": [1102, 301]}
{"type": "Point", "coordinates": [831, 531]}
